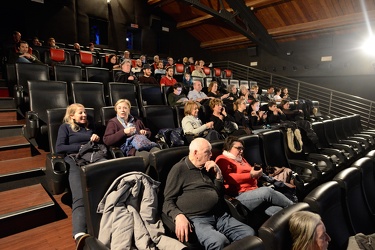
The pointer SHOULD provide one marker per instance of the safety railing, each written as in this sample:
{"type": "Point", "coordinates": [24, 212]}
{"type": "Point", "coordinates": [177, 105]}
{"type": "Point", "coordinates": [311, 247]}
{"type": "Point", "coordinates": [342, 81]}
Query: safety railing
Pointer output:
{"type": "Point", "coordinates": [331, 102]}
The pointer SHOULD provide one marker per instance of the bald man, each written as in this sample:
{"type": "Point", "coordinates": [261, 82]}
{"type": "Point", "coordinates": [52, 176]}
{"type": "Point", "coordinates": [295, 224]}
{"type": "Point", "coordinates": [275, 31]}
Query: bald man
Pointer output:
{"type": "Point", "coordinates": [193, 198]}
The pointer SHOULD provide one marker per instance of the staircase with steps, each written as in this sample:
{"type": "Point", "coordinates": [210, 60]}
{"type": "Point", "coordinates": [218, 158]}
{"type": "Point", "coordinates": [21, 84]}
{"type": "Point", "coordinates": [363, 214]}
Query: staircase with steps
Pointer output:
{"type": "Point", "coordinates": [30, 217]}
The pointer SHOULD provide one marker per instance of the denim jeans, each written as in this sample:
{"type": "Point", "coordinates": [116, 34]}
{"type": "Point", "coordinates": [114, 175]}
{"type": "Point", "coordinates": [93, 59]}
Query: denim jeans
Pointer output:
{"type": "Point", "coordinates": [252, 199]}
{"type": "Point", "coordinates": [217, 232]}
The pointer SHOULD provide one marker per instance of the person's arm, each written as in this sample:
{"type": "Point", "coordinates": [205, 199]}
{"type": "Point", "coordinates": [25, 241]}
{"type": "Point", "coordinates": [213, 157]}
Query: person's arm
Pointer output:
{"type": "Point", "coordinates": [113, 134]}
{"type": "Point", "coordinates": [141, 128]}
{"type": "Point", "coordinates": [188, 128]}
{"type": "Point", "coordinates": [218, 123]}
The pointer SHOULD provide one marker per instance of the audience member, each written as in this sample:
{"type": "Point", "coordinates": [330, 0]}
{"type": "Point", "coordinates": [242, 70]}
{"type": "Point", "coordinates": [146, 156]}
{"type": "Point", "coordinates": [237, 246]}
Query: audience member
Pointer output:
{"type": "Point", "coordinates": [192, 125]}
{"type": "Point", "coordinates": [185, 61]}
{"type": "Point", "coordinates": [285, 94]}
{"type": "Point", "coordinates": [10, 45]}
{"type": "Point", "coordinates": [52, 43]}
{"type": "Point", "coordinates": [147, 78]}
{"type": "Point", "coordinates": [232, 90]}
{"type": "Point", "coordinates": [245, 93]}
{"type": "Point", "coordinates": [112, 63]}
{"type": "Point", "coordinates": [22, 55]}
{"type": "Point", "coordinates": [126, 56]}
{"type": "Point", "coordinates": [138, 66]}
{"type": "Point", "coordinates": [240, 116]}
{"type": "Point", "coordinates": [143, 59]}
{"type": "Point", "coordinates": [187, 81]}
{"type": "Point", "coordinates": [160, 69]}
{"type": "Point", "coordinates": [198, 71]}
{"type": "Point", "coordinates": [254, 92]}
{"type": "Point", "coordinates": [170, 62]}
{"type": "Point", "coordinates": [197, 94]}
{"type": "Point", "coordinates": [94, 51]}
{"type": "Point", "coordinates": [274, 114]}
{"type": "Point", "coordinates": [214, 92]}
{"type": "Point", "coordinates": [308, 231]}
{"type": "Point", "coordinates": [73, 133]}
{"type": "Point", "coordinates": [125, 75]}
{"type": "Point", "coordinates": [176, 97]}
{"type": "Point", "coordinates": [258, 118]}
{"type": "Point", "coordinates": [291, 115]}
{"type": "Point", "coordinates": [36, 41]}
{"type": "Point", "coordinates": [268, 96]}
{"type": "Point", "coordinates": [168, 79]}
{"type": "Point", "coordinates": [156, 62]}
{"type": "Point", "coordinates": [193, 199]}
{"type": "Point", "coordinates": [191, 60]}
{"type": "Point", "coordinates": [241, 179]}
{"type": "Point", "coordinates": [77, 47]}
{"type": "Point", "coordinates": [220, 118]}
{"type": "Point", "coordinates": [277, 97]}
{"type": "Point", "coordinates": [120, 129]}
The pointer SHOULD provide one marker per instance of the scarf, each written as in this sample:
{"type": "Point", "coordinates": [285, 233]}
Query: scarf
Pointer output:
{"type": "Point", "coordinates": [232, 156]}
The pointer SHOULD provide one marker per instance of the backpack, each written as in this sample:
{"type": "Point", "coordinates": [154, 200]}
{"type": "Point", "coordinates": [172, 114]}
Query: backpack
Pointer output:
{"type": "Point", "coordinates": [90, 152]}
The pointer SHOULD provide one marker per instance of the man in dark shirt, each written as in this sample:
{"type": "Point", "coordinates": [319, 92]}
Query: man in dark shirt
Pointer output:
{"type": "Point", "coordinates": [125, 75]}
{"type": "Point", "coordinates": [194, 199]}
{"type": "Point", "coordinates": [147, 78]}
{"type": "Point", "coordinates": [23, 55]}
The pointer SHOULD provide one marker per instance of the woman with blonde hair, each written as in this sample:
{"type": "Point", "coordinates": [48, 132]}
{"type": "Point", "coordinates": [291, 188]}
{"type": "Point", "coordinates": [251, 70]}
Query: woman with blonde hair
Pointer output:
{"type": "Point", "coordinates": [73, 133]}
{"type": "Point", "coordinates": [308, 231]}
{"type": "Point", "coordinates": [192, 125]}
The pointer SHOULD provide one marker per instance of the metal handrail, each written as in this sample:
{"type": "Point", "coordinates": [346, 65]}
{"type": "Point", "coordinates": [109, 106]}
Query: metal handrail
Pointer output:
{"type": "Point", "coordinates": [331, 102]}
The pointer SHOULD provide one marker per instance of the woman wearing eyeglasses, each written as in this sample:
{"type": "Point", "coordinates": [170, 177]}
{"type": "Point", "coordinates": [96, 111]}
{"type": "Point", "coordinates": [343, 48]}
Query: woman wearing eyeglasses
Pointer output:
{"type": "Point", "coordinates": [241, 179]}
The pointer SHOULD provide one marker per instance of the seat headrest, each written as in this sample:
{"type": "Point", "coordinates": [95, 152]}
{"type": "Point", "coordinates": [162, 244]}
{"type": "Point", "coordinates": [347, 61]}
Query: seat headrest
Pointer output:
{"type": "Point", "coordinates": [57, 55]}
{"type": "Point", "coordinates": [179, 68]}
{"type": "Point", "coordinates": [206, 70]}
{"type": "Point", "coordinates": [217, 72]}
{"type": "Point", "coordinates": [86, 57]}
{"type": "Point", "coordinates": [228, 73]}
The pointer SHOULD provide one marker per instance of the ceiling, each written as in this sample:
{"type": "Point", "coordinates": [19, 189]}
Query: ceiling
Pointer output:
{"type": "Point", "coordinates": [233, 24]}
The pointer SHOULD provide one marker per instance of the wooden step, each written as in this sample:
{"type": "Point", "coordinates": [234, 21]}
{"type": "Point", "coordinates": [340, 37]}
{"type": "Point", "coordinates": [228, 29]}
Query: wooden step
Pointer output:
{"type": "Point", "coordinates": [21, 166]}
{"type": "Point", "coordinates": [11, 128]}
{"type": "Point", "coordinates": [14, 147]}
{"type": "Point", "coordinates": [25, 208]}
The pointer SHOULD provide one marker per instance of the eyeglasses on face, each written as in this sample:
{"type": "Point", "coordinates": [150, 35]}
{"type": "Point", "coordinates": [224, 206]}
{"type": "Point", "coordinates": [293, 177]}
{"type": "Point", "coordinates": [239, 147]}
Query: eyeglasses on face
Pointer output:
{"type": "Point", "coordinates": [239, 148]}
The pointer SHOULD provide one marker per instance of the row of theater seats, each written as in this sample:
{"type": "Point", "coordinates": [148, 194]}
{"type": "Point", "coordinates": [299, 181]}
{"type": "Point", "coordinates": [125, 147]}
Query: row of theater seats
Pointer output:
{"type": "Point", "coordinates": [346, 203]}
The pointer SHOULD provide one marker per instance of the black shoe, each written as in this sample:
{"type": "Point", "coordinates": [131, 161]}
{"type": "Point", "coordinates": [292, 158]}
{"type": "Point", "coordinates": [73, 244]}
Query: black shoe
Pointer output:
{"type": "Point", "coordinates": [80, 241]}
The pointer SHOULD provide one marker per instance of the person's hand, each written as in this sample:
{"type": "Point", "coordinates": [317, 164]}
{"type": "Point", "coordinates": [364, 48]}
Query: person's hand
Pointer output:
{"type": "Point", "coordinates": [223, 112]}
{"type": "Point", "coordinates": [210, 124]}
{"type": "Point", "coordinates": [143, 132]}
{"type": "Point", "coordinates": [95, 138]}
{"type": "Point", "coordinates": [256, 174]}
{"type": "Point", "coordinates": [131, 78]}
{"type": "Point", "coordinates": [211, 166]}
{"type": "Point", "coordinates": [182, 228]}
{"type": "Point", "coordinates": [129, 130]}
{"type": "Point", "coordinates": [225, 96]}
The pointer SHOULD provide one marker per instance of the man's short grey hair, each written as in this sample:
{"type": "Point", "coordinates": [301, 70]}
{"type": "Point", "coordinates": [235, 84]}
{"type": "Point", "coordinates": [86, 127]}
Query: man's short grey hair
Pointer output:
{"type": "Point", "coordinates": [196, 144]}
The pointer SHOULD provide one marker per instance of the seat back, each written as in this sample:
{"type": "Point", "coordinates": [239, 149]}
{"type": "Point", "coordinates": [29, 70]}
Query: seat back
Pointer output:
{"type": "Point", "coordinates": [119, 91]}
{"type": "Point", "coordinates": [157, 117]}
{"type": "Point", "coordinates": [217, 149]}
{"type": "Point", "coordinates": [275, 232]}
{"type": "Point", "coordinates": [57, 56]}
{"type": "Point", "coordinates": [179, 110]}
{"type": "Point", "coordinates": [273, 148]}
{"type": "Point", "coordinates": [234, 82]}
{"type": "Point", "coordinates": [318, 128]}
{"type": "Point", "coordinates": [85, 59]}
{"type": "Point", "coordinates": [245, 82]}
{"type": "Point", "coordinates": [253, 151]}
{"type": "Point", "coordinates": [150, 94]}
{"type": "Point", "coordinates": [216, 72]}
{"type": "Point", "coordinates": [89, 94]}
{"type": "Point", "coordinates": [55, 119]}
{"type": "Point", "coordinates": [225, 82]}
{"type": "Point", "coordinates": [206, 81]}
{"type": "Point", "coordinates": [355, 202]}
{"type": "Point", "coordinates": [326, 200]}
{"type": "Point", "coordinates": [330, 131]}
{"type": "Point", "coordinates": [207, 71]}
{"type": "Point", "coordinates": [30, 71]}
{"type": "Point", "coordinates": [227, 74]}
{"type": "Point", "coordinates": [162, 161]}
{"type": "Point", "coordinates": [366, 166]}
{"type": "Point", "coordinates": [96, 178]}
{"type": "Point", "coordinates": [47, 95]}
{"type": "Point", "coordinates": [178, 71]}
{"type": "Point", "coordinates": [68, 74]}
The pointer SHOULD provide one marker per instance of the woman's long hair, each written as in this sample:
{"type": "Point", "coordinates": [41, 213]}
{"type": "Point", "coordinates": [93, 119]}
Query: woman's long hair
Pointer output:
{"type": "Point", "coordinates": [70, 110]}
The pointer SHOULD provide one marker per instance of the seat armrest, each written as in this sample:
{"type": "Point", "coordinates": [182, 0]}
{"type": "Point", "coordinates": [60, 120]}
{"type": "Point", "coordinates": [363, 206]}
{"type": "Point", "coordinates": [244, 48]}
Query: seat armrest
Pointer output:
{"type": "Point", "coordinates": [236, 209]}
{"type": "Point", "coordinates": [345, 147]}
{"type": "Point", "coordinates": [322, 157]}
{"type": "Point", "coordinates": [18, 95]}
{"type": "Point", "coordinates": [56, 173]}
{"type": "Point", "coordinates": [32, 124]}
{"type": "Point", "coordinates": [316, 173]}
{"type": "Point", "coordinates": [92, 243]}
{"type": "Point", "coordinates": [116, 152]}
{"type": "Point", "coordinates": [364, 141]}
{"type": "Point", "coordinates": [354, 144]}
{"type": "Point", "coordinates": [333, 151]}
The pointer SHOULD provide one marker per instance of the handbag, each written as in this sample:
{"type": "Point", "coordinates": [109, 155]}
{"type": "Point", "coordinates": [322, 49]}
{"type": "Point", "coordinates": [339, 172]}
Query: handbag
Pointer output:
{"type": "Point", "coordinates": [230, 127]}
{"type": "Point", "coordinates": [142, 143]}
{"type": "Point", "coordinates": [90, 152]}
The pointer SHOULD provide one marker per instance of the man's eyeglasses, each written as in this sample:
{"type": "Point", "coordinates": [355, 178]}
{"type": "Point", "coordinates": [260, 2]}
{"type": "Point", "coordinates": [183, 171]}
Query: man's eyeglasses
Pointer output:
{"type": "Point", "coordinates": [239, 148]}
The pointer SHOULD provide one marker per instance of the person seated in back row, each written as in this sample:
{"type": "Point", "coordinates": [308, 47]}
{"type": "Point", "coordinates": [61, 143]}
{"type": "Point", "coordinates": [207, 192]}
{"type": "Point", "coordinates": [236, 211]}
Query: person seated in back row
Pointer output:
{"type": "Point", "coordinates": [125, 74]}
{"type": "Point", "coordinates": [168, 79]}
{"type": "Point", "coordinates": [147, 78]}
{"type": "Point", "coordinates": [197, 94]}
{"type": "Point", "coordinates": [193, 199]}
{"type": "Point", "coordinates": [22, 55]}
{"type": "Point", "coordinates": [177, 97]}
